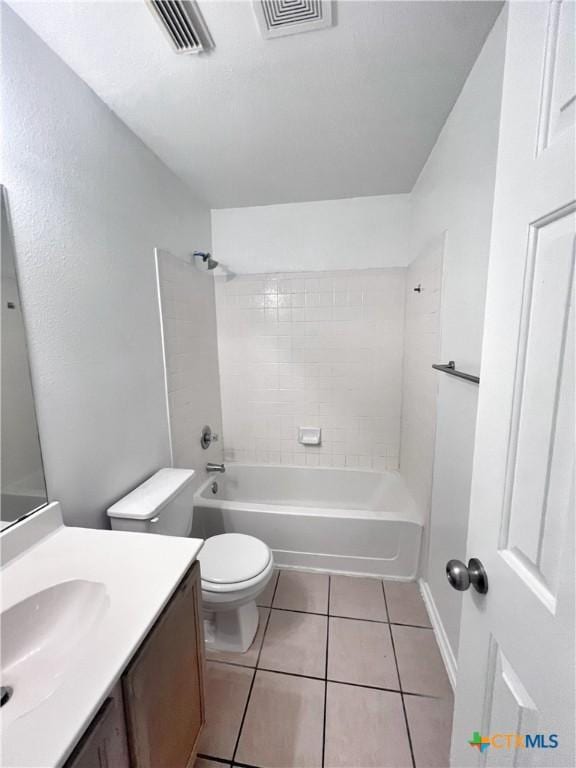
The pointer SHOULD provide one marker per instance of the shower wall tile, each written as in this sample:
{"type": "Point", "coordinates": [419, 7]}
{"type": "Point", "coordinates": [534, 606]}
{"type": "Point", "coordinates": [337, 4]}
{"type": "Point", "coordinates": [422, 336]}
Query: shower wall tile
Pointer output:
{"type": "Point", "coordinates": [312, 349]}
{"type": "Point", "coordinates": [189, 327]}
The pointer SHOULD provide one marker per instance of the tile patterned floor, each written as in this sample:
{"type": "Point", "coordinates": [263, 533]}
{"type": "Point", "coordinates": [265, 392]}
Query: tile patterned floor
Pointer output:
{"type": "Point", "coordinates": [343, 673]}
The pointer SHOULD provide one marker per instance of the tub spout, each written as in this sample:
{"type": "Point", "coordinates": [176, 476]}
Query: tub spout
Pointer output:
{"type": "Point", "coordinates": [211, 467]}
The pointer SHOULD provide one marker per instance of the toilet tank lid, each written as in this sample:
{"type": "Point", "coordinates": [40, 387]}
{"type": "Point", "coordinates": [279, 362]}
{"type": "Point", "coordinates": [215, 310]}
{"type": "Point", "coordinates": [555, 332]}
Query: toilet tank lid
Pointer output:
{"type": "Point", "coordinates": [146, 501]}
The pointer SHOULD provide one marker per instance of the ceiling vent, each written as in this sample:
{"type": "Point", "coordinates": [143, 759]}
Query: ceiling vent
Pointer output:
{"type": "Point", "coordinates": [183, 24]}
{"type": "Point", "coordinates": [277, 18]}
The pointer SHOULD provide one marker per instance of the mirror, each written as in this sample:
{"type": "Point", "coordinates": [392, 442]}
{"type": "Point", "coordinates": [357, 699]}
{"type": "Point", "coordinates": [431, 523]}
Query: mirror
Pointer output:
{"type": "Point", "coordinates": [23, 486]}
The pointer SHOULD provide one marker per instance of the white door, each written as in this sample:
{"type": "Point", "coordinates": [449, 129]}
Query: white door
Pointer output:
{"type": "Point", "coordinates": [516, 664]}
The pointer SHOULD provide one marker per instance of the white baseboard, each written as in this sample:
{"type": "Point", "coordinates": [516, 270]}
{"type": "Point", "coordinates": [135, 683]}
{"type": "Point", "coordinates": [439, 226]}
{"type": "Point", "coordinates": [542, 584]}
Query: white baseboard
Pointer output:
{"type": "Point", "coordinates": [441, 637]}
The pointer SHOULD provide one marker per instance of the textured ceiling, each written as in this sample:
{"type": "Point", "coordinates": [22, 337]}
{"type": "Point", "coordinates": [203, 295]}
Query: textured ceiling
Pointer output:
{"type": "Point", "coordinates": [342, 112]}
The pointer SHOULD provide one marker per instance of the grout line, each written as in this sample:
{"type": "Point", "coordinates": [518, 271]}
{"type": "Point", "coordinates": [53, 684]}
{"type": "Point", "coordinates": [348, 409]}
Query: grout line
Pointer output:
{"type": "Point", "coordinates": [244, 765]}
{"type": "Point", "coordinates": [350, 618]}
{"type": "Point", "coordinates": [326, 674]}
{"type": "Point", "coordinates": [293, 610]}
{"type": "Point", "coordinates": [330, 680]}
{"type": "Point", "coordinates": [388, 690]}
{"type": "Point", "coordinates": [413, 626]}
{"type": "Point", "coordinates": [231, 663]}
{"type": "Point", "coordinates": [426, 696]}
{"type": "Point", "coordinates": [220, 760]}
{"type": "Point", "coordinates": [244, 714]}
{"type": "Point", "coordinates": [399, 682]}
{"type": "Point", "coordinates": [224, 762]}
{"type": "Point", "coordinates": [378, 621]}
{"type": "Point", "coordinates": [261, 605]}
{"type": "Point", "coordinates": [291, 674]}
{"type": "Point", "coordinates": [253, 677]}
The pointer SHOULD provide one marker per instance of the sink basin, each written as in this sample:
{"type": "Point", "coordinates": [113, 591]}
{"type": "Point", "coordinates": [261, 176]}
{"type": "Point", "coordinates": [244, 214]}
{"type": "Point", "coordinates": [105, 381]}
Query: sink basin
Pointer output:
{"type": "Point", "coordinates": [42, 639]}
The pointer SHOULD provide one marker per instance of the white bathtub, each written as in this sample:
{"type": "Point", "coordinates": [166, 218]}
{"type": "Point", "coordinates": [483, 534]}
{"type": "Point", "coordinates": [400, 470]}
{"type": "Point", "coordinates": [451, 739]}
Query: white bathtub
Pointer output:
{"type": "Point", "coordinates": [348, 520]}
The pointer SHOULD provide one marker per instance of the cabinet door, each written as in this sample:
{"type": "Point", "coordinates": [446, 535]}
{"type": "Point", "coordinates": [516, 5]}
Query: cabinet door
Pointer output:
{"type": "Point", "coordinates": [104, 745]}
{"type": "Point", "coordinates": [163, 688]}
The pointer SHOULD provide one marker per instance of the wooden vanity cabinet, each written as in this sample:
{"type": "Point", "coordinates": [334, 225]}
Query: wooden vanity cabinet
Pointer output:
{"type": "Point", "coordinates": [104, 745]}
{"type": "Point", "coordinates": [155, 716]}
{"type": "Point", "coordinates": [164, 685]}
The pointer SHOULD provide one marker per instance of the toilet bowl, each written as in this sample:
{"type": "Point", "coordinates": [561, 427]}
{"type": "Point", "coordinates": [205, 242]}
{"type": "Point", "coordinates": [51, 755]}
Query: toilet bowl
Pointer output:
{"type": "Point", "coordinates": [234, 568]}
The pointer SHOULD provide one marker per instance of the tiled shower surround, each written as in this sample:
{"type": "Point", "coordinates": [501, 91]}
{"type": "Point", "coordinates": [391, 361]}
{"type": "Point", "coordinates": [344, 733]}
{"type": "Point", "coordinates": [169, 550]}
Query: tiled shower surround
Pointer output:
{"type": "Point", "coordinates": [316, 349]}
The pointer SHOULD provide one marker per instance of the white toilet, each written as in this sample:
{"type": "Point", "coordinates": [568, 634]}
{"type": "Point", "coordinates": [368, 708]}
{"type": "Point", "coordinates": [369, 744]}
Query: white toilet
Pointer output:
{"type": "Point", "coordinates": [234, 568]}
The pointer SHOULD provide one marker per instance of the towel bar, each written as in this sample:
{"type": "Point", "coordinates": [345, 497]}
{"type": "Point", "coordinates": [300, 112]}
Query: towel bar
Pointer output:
{"type": "Point", "coordinates": [450, 367]}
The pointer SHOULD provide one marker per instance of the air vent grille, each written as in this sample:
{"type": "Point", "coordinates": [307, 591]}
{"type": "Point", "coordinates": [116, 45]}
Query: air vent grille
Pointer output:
{"type": "Point", "coordinates": [277, 18]}
{"type": "Point", "coordinates": [183, 25]}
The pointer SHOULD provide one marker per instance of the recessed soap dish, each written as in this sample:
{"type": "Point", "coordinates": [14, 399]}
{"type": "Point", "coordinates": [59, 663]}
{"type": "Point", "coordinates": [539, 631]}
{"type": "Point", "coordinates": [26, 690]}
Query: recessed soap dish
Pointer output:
{"type": "Point", "coordinates": [309, 435]}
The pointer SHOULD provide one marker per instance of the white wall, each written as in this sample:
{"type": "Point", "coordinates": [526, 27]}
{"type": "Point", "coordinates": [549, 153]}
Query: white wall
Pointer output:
{"type": "Point", "coordinates": [317, 349]}
{"type": "Point", "coordinates": [356, 233]}
{"type": "Point", "coordinates": [454, 194]}
{"type": "Point", "coordinates": [419, 380]}
{"type": "Point", "coordinates": [190, 342]}
{"type": "Point", "coordinates": [89, 203]}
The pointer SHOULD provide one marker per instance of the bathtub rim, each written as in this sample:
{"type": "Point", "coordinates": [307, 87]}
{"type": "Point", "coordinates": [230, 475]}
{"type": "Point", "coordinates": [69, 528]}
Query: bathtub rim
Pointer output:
{"type": "Point", "coordinates": [409, 514]}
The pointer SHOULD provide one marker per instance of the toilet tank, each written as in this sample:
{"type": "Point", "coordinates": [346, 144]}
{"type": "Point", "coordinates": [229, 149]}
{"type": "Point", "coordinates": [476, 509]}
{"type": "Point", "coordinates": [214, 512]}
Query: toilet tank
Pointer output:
{"type": "Point", "coordinates": [162, 504]}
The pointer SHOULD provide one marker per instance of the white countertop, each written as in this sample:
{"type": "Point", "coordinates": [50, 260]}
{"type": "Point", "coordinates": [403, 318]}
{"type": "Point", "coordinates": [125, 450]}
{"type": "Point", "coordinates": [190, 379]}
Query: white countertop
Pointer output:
{"type": "Point", "coordinates": [140, 572]}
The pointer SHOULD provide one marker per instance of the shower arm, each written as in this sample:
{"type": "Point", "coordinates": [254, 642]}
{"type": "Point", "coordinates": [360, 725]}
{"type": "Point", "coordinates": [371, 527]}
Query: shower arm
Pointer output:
{"type": "Point", "coordinates": [206, 258]}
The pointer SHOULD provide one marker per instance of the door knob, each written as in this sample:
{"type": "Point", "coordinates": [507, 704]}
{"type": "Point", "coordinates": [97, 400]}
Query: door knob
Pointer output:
{"type": "Point", "coordinates": [461, 576]}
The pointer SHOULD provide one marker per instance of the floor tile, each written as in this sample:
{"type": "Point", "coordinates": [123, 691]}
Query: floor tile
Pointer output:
{"type": "Point", "coordinates": [227, 690]}
{"type": "Point", "coordinates": [361, 652]}
{"type": "Point", "coordinates": [300, 591]}
{"type": "Point", "coordinates": [365, 728]}
{"type": "Point", "coordinates": [296, 643]}
{"type": "Point", "coordinates": [405, 604]}
{"type": "Point", "coordinates": [357, 598]}
{"type": "Point", "coordinates": [203, 763]}
{"type": "Point", "coordinates": [430, 723]}
{"type": "Point", "coordinates": [419, 662]}
{"type": "Point", "coordinates": [265, 598]}
{"type": "Point", "coordinates": [284, 722]}
{"type": "Point", "coordinates": [249, 658]}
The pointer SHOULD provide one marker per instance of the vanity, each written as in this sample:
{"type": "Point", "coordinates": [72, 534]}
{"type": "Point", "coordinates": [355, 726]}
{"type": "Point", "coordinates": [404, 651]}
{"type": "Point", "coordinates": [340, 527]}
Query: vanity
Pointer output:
{"type": "Point", "coordinates": [154, 715]}
{"type": "Point", "coordinates": [102, 647]}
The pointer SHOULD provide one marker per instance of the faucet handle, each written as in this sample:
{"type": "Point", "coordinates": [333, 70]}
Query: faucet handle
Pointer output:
{"type": "Point", "coordinates": [207, 437]}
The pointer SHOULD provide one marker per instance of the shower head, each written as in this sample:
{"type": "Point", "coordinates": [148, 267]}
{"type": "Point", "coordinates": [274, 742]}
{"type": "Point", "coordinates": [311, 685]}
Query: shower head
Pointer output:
{"type": "Point", "coordinates": [206, 259]}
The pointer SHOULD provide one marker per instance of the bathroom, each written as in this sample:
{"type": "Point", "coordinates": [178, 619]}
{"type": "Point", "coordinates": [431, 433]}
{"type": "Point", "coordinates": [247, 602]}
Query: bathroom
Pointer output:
{"type": "Point", "coordinates": [226, 279]}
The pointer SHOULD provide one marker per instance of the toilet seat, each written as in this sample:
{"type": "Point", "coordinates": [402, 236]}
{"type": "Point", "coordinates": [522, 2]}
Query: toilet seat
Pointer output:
{"type": "Point", "coordinates": [233, 562]}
